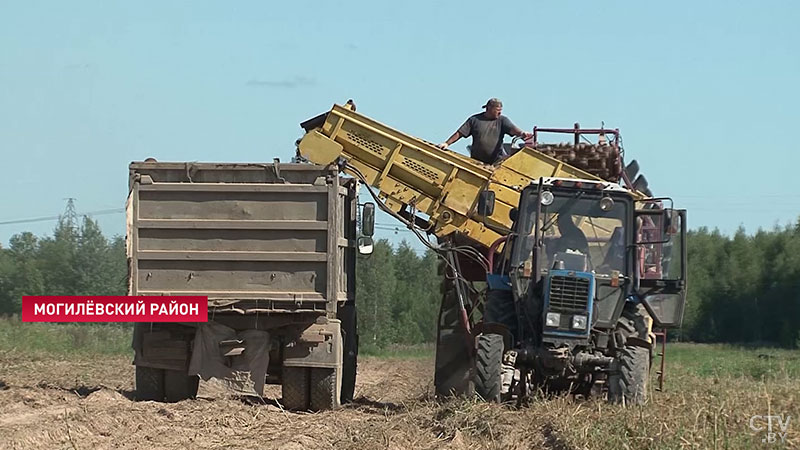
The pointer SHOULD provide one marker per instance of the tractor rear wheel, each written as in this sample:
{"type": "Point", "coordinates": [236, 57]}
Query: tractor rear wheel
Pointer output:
{"type": "Point", "coordinates": [349, 318]}
{"type": "Point", "coordinates": [453, 358]}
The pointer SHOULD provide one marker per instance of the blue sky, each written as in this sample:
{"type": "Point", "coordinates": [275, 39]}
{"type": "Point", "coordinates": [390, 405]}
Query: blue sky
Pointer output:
{"type": "Point", "coordinates": [705, 93]}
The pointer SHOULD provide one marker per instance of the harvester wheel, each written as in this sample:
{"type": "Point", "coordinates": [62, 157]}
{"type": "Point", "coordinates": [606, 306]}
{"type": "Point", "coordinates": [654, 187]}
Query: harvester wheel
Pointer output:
{"type": "Point", "coordinates": [489, 367]}
{"type": "Point", "coordinates": [324, 392]}
{"type": "Point", "coordinates": [179, 386]}
{"type": "Point", "coordinates": [295, 388]}
{"type": "Point", "coordinates": [628, 384]}
{"type": "Point", "coordinates": [149, 384]}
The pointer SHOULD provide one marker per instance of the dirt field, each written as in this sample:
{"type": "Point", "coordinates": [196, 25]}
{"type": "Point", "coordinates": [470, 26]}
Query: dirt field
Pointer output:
{"type": "Point", "coordinates": [85, 402]}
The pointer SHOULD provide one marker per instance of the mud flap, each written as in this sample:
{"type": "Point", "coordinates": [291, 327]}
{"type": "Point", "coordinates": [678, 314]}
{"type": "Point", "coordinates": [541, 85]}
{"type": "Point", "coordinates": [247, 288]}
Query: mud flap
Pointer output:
{"type": "Point", "coordinates": [241, 368]}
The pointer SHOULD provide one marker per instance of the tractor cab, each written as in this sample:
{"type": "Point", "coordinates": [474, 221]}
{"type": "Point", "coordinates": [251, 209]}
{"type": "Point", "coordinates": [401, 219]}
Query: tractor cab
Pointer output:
{"type": "Point", "coordinates": [572, 256]}
{"type": "Point", "coordinates": [589, 269]}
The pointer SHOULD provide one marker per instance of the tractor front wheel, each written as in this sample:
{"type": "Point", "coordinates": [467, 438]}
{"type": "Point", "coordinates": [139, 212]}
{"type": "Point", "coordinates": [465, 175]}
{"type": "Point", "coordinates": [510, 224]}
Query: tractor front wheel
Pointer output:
{"type": "Point", "coordinates": [628, 384]}
{"type": "Point", "coordinates": [489, 367]}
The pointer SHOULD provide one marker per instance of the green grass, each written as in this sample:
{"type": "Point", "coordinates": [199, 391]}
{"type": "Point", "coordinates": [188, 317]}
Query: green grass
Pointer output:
{"type": "Point", "coordinates": [721, 360]}
{"type": "Point", "coordinates": [65, 338]}
{"type": "Point", "coordinates": [417, 351]}
{"type": "Point", "coordinates": [115, 339]}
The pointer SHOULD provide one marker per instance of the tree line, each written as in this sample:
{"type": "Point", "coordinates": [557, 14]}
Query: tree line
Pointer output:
{"type": "Point", "coordinates": [76, 260]}
{"type": "Point", "coordinates": [742, 288]}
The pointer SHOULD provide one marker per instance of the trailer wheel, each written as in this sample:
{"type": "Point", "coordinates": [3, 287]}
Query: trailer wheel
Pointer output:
{"type": "Point", "coordinates": [179, 386]}
{"type": "Point", "coordinates": [489, 367]}
{"type": "Point", "coordinates": [628, 384]}
{"type": "Point", "coordinates": [149, 384]}
{"type": "Point", "coordinates": [294, 388]}
{"type": "Point", "coordinates": [324, 392]}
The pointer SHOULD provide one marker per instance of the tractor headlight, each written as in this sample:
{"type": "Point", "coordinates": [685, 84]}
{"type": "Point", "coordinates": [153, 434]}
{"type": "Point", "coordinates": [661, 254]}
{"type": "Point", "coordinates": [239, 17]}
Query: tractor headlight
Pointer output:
{"type": "Point", "coordinates": [547, 198]}
{"type": "Point", "coordinates": [552, 319]}
{"type": "Point", "coordinates": [579, 322]}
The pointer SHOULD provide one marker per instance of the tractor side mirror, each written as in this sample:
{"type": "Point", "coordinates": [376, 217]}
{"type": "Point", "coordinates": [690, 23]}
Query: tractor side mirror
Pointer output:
{"type": "Point", "coordinates": [365, 245]}
{"type": "Point", "coordinates": [486, 203]}
{"type": "Point", "coordinates": [368, 220]}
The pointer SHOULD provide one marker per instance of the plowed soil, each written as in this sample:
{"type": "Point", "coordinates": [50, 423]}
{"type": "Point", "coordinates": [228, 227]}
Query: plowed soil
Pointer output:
{"type": "Point", "coordinates": [89, 403]}
{"type": "Point", "coordinates": [84, 402]}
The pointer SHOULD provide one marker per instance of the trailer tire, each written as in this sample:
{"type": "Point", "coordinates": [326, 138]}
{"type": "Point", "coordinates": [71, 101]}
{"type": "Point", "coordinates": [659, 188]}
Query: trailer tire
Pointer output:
{"type": "Point", "coordinates": [179, 386]}
{"type": "Point", "coordinates": [149, 384]}
{"type": "Point", "coordinates": [628, 384]}
{"type": "Point", "coordinates": [489, 367]}
{"type": "Point", "coordinates": [294, 388]}
{"type": "Point", "coordinates": [324, 395]}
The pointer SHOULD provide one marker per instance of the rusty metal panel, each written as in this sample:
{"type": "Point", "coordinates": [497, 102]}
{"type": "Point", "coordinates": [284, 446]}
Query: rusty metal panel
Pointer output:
{"type": "Point", "coordinates": [249, 277]}
{"type": "Point", "coordinates": [212, 204]}
{"type": "Point", "coordinates": [242, 233]}
{"type": "Point", "coordinates": [200, 239]}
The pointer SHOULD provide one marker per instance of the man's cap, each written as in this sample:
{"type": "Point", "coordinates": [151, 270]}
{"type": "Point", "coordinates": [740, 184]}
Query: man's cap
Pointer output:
{"type": "Point", "coordinates": [492, 102]}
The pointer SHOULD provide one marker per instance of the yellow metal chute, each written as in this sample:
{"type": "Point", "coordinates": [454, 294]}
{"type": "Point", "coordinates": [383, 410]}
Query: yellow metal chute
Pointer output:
{"type": "Point", "coordinates": [441, 184]}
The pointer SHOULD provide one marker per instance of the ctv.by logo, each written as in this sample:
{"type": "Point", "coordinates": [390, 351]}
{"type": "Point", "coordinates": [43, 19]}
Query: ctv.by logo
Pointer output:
{"type": "Point", "coordinates": [771, 424]}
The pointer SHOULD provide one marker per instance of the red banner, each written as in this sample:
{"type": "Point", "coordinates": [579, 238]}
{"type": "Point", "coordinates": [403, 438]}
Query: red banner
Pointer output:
{"type": "Point", "coordinates": [49, 308]}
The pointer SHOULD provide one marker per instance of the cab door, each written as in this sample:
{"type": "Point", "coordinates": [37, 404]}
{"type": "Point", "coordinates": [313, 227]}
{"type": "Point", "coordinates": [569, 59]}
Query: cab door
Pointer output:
{"type": "Point", "coordinates": [661, 264]}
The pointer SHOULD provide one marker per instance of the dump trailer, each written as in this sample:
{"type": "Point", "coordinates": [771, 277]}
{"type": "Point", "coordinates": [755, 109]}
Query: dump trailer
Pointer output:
{"type": "Point", "coordinates": [521, 309]}
{"type": "Point", "coordinates": [273, 246]}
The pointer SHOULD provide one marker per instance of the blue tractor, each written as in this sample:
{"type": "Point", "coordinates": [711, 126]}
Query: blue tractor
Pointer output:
{"type": "Point", "coordinates": [586, 274]}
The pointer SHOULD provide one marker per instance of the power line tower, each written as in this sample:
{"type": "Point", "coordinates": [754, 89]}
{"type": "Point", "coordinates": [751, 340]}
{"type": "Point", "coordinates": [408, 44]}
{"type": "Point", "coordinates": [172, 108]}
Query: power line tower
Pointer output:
{"type": "Point", "coordinates": [70, 217]}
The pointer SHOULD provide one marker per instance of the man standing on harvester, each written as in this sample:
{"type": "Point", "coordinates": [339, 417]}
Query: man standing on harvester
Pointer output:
{"type": "Point", "coordinates": [487, 130]}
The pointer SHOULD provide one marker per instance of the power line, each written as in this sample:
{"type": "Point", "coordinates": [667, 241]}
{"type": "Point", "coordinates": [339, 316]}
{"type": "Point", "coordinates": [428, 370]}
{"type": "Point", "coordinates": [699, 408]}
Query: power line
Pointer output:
{"type": "Point", "coordinates": [100, 212]}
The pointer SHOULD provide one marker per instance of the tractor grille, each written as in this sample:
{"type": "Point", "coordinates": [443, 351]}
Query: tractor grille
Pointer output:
{"type": "Point", "coordinates": [569, 294]}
